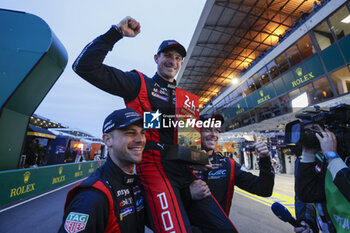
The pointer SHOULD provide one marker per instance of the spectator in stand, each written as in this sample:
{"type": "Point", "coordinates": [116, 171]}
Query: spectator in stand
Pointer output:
{"type": "Point", "coordinates": [316, 6]}
{"type": "Point", "coordinates": [280, 37]}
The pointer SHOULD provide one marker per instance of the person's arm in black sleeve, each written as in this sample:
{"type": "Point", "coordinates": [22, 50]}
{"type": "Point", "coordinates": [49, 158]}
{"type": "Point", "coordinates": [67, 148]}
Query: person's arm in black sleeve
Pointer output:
{"type": "Point", "coordinates": [89, 65]}
{"type": "Point", "coordinates": [261, 185]}
{"type": "Point", "coordinates": [341, 176]}
{"type": "Point", "coordinates": [309, 184]}
{"type": "Point", "coordinates": [90, 209]}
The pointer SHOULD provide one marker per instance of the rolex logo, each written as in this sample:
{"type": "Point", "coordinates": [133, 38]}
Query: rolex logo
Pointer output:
{"type": "Point", "coordinates": [26, 176]}
{"type": "Point", "coordinates": [60, 169]}
{"type": "Point", "coordinates": [238, 106]}
{"type": "Point", "coordinates": [261, 93]}
{"type": "Point", "coordinates": [79, 167]}
{"type": "Point", "coordinates": [299, 71]}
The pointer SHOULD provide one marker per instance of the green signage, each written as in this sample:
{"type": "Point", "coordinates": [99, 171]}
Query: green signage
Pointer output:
{"type": "Point", "coordinates": [345, 47]}
{"type": "Point", "coordinates": [23, 183]}
{"type": "Point", "coordinates": [240, 107]}
{"type": "Point", "coordinates": [303, 73]}
{"type": "Point", "coordinates": [262, 96]}
{"type": "Point", "coordinates": [332, 57]}
{"type": "Point", "coordinates": [279, 86]}
{"type": "Point", "coordinates": [228, 113]}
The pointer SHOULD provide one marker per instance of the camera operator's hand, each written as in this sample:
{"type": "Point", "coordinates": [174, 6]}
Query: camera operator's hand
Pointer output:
{"type": "Point", "coordinates": [305, 229]}
{"type": "Point", "coordinates": [328, 141]}
{"type": "Point", "coordinates": [199, 190]}
{"type": "Point", "coordinates": [129, 26]}
{"type": "Point", "coordinates": [260, 147]}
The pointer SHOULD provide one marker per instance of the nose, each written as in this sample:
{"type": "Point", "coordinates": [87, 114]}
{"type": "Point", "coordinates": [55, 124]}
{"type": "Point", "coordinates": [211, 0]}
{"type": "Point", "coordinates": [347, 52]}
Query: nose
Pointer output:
{"type": "Point", "coordinates": [140, 138]}
{"type": "Point", "coordinates": [172, 59]}
{"type": "Point", "coordinates": [214, 132]}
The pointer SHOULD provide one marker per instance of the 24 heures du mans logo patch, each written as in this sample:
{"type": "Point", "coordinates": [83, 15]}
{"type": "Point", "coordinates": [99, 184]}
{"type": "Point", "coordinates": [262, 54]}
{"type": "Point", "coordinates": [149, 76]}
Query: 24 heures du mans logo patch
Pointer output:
{"type": "Point", "coordinates": [75, 222]}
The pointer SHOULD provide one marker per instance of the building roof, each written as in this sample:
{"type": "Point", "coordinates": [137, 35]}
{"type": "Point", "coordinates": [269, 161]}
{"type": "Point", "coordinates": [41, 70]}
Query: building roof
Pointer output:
{"type": "Point", "coordinates": [230, 35]}
{"type": "Point", "coordinates": [42, 122]}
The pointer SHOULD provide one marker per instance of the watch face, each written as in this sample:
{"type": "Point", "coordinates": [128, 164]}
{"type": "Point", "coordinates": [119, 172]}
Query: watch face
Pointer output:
{"type": "Point", "coordinates": [331, 155]}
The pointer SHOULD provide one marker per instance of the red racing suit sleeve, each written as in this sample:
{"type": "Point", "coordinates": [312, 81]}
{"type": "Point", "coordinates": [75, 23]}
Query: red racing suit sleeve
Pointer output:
{"type": "Point", "coordinates": [89, 65]}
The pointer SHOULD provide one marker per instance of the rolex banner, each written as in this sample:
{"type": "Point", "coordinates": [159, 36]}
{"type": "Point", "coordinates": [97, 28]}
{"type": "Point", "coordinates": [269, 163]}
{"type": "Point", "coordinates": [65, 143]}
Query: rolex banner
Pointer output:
{"type": "Point", "coordinates": [19, 184]}
{"type": "Point", "coordinates": [186, 116]}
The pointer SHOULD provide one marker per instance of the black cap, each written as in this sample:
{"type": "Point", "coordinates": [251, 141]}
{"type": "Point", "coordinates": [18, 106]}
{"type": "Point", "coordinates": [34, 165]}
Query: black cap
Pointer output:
{"type": "Point", "coordinates": [172, 45]}
{"type": "Point", "coordinates": [217, 117]}
{"type": "Point", "coordinates": [120, 119]}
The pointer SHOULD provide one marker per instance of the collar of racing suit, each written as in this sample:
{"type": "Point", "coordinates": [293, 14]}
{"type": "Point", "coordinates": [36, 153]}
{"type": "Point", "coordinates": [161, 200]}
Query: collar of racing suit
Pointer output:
{"type": "Point", "coordinates": [164, 83]}
{"type": "Point", "coordinates": [117, 175]}
{"type": "Point", "coordinates": [215, 157]}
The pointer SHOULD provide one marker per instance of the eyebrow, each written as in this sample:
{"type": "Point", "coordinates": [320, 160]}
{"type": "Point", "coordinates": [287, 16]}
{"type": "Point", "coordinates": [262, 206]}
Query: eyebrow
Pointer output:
{"type": "Point", "coordinates": [130, 129]}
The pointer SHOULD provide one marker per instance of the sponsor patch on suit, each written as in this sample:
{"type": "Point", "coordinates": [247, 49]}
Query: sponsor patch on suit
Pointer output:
{"type": "Point", "coordinates": [75, 222]}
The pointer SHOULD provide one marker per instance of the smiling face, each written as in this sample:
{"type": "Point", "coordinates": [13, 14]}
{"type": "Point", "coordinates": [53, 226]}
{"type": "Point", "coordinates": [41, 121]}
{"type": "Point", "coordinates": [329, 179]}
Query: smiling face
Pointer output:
{"type": "Point", "coordinates": [168, 64]}
{"type": "Point", "coordinates": [209, 138]}
{"type": "Point", "coordinates": [125, 146]}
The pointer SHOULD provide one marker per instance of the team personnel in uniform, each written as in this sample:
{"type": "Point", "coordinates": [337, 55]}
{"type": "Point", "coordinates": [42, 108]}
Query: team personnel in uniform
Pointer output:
{"type": "Point", "coordinates": [163, 180]}
{"type": "Point", "coordinates": [226, 173]}
{"type": "Point", "coordinates": [110, 199]}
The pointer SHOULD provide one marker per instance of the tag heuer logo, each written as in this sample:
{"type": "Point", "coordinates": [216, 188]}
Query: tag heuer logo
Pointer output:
{"type": "Point", "coordinates": [75, 222]}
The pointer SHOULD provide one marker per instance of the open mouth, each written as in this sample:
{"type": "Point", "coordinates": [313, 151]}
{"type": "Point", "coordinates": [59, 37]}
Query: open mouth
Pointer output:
{"type": "Point", "coordinates": [136, 148]}
{"type": "Point", "coordinates": [212, 140]}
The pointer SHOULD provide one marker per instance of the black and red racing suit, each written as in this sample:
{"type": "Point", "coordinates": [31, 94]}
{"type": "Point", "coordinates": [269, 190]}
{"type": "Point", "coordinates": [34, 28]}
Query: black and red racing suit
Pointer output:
{"type": "Point", "coordinates": [163, 180]}
{"type": "Point", "coordinates": [109, 201]}
{"type": "Point", "coordinates": [227, 173]}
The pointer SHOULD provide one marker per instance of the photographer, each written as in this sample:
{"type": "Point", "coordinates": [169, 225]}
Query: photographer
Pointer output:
{"type": "Point", "coordinates": [324, 179]}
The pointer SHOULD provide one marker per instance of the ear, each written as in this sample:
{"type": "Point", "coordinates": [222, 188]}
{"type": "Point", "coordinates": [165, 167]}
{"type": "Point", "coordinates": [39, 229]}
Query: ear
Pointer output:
{"type": "Point", "coordinates": [156, 57]}
{"type": "Point", "coordinates": [107, 139]}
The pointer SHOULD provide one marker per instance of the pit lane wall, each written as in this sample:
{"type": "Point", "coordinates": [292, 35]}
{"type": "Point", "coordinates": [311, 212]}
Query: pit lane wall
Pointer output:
{"type": "Point", "coordinates": [19, 184]}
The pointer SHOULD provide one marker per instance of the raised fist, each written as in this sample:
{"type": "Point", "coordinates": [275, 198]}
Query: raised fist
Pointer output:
{"type": "Point", "coordinates": [129, 26]}
{"type": "Point", "coordinates": [260, 147]}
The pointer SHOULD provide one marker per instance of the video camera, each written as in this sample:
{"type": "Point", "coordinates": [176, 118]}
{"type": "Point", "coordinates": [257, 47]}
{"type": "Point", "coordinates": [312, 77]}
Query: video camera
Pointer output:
{"type": "Point", "coordinates": [336, 119]}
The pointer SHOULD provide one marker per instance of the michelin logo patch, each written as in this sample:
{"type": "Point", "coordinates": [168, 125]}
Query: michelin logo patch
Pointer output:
{"type": "Point", "coordinates": [155, 94]}
{"type": "Point", "coordinates": [126, 212]}
{"type": "Point", "coordinates": [75, 222]}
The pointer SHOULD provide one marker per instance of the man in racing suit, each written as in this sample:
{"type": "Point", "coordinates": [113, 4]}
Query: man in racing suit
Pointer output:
{"type": "Point", "coordinates": [163, 180]}
{"type": "Point", "coordinates": [110, 199]}
{"type": "Point", "coordinates": [226, 173]}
